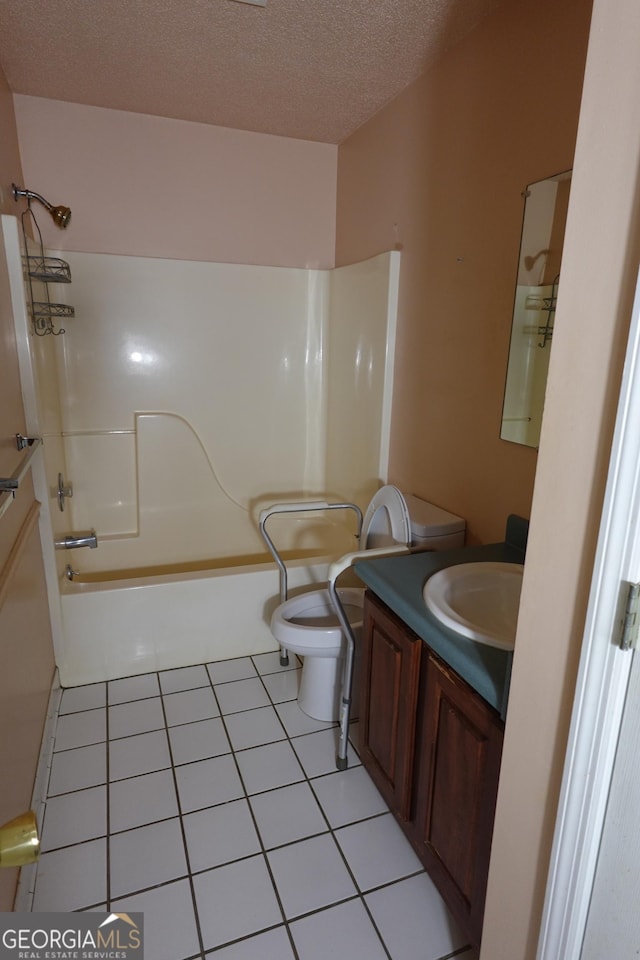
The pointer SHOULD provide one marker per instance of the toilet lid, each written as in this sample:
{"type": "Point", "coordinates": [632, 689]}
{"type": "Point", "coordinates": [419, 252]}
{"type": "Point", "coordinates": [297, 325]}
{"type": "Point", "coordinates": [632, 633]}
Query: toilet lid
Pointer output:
{"type": "Point", "coordinates": [387, 520]}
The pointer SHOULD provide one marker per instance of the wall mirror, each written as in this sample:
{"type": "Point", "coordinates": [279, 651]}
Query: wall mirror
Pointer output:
{"type": "Point", "coordinates": [545, 217]}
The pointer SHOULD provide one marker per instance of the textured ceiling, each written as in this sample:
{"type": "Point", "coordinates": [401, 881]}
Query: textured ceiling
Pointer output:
{"type": "Point", "coordinates": [295, 68]}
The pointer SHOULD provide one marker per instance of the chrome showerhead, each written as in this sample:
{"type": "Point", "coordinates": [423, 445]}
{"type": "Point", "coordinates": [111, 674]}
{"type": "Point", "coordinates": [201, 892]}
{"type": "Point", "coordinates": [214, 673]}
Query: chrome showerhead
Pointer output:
{"type": "Point", "coordinates": [61, 215]}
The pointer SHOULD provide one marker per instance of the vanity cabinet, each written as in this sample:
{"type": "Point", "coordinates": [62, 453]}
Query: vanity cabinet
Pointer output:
{"type": "Point", "coordinates": [432, 746]}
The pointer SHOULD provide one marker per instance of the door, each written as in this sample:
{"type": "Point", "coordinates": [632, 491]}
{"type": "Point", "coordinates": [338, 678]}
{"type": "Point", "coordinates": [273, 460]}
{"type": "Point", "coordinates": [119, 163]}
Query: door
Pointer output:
{"type": "Point", "coordinates": [389, 695]}
{"type": "Point", "coordinates": [26, 653]}
{"type": "Point", "coordinates": [456, 792]}
{"type": "Point", "coordinates": [613, 920]}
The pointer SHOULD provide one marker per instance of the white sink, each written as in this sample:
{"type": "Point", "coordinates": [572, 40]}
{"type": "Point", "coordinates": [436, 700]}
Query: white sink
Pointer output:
{"type": "Point", "coordinates": [478, 600]}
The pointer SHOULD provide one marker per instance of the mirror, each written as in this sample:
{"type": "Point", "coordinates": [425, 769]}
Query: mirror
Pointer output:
{"type": "Point", "coordinates": [545, 217]}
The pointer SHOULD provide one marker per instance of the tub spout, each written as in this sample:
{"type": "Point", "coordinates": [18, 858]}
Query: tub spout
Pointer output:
{"type": "Point", "coordinates": [74, 540]}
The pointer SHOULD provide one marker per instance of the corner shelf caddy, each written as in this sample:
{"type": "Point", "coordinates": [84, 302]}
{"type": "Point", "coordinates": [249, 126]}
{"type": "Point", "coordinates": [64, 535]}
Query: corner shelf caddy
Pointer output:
{"type": "Point", "coordinates": [46, 270]}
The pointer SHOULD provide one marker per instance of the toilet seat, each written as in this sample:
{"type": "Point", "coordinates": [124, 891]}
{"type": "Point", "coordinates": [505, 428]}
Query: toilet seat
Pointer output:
{"type": "Point", "coordinates": [386, 520]}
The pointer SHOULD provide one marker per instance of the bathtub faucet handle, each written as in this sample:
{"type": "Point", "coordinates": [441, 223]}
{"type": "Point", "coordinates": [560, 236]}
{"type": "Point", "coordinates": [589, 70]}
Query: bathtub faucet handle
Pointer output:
{"type": "Point", "coordinates": [65, 489]}
{"type": "Point", "coordinates": [74, 540]}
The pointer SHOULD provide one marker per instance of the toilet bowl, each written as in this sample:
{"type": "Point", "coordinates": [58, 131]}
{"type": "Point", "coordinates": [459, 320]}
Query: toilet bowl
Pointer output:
{"type": "Point", "coordinates": [307, 625]}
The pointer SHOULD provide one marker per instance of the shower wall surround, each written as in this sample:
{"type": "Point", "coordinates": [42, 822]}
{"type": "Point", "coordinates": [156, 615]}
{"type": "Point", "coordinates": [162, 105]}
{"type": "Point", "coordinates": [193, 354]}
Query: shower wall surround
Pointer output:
{"type": "Point", "coordinates": [186, 394]}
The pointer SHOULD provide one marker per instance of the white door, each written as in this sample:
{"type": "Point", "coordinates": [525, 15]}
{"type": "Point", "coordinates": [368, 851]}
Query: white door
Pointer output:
{"type": "Point", "coordinates": [591, 909]}
{"type": "Point", "coordinates": [613, 921]}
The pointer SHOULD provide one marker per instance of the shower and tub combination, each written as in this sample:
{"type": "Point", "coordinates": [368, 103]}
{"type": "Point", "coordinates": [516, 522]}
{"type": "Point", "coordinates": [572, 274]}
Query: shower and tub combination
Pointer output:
{"type": "Point", "coordinates": [184, 398]}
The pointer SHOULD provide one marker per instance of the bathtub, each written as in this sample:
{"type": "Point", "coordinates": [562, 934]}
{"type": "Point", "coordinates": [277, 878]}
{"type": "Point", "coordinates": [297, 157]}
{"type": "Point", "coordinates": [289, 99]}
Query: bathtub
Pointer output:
{"type": "Point", "coordinates": [121, 623]}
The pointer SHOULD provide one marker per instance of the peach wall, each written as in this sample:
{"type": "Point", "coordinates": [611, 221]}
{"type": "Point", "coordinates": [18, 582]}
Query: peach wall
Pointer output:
{"type": "Point", "coordinates": [600, 269]}
{"type": "Point", "coordinates": [439, 174]}
{"type": "Point", "coordinates": [10, 169]}
{"type": "Point", "coordinates": [26, 654]}
{"type": "Point", "coordinates": [155, 187]}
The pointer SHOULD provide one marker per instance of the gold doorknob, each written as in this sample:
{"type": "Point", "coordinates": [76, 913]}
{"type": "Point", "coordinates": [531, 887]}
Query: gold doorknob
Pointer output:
{"type": "Point", "coordinates": [19, 841]}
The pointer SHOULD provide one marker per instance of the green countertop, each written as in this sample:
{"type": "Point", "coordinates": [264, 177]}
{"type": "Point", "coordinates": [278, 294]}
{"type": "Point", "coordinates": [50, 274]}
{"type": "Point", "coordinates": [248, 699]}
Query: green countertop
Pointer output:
{"type": "Point", "coordinates": [399, 581]}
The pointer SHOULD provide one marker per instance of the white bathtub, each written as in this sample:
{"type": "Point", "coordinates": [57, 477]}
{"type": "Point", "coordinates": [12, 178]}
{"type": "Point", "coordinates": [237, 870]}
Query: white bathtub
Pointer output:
{"type": "Point", "coordinates": [136, 621]}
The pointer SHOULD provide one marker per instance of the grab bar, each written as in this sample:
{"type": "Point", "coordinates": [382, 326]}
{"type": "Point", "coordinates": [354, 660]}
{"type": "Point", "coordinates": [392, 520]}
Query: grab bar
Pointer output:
{"type": "Point", "coordinates": [300, 506]}
{"type": "Point", "coordinates": [347, 671]}
{"type": "Point", "coordinates": [11, 484]}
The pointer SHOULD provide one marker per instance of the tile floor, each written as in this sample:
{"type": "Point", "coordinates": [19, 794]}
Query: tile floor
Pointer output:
{"type": "Point", "coordinates": [204, 797]}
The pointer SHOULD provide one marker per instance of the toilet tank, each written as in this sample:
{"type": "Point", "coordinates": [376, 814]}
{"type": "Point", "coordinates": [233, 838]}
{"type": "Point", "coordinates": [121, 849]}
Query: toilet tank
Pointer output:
{"type": "Point", "coordinates": [433, 528]}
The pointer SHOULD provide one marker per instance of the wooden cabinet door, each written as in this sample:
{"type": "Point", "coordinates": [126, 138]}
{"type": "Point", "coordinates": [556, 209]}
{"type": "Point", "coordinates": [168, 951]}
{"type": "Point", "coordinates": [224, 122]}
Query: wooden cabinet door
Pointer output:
{"type": "Point", "coordinates": [456, 792]}
{"type": "Point", "coordinates": [390, 672]}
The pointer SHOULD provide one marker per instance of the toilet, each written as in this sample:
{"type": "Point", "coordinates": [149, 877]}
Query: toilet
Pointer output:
{"type": "Point", "coordinates": [306, 625]}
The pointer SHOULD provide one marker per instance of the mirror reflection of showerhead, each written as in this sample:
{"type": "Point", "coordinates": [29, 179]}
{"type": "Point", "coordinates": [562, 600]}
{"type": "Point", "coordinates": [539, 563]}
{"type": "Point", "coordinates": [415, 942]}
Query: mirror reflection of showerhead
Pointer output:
{"type": "Point", "coordinates": [61, 215]}
{"type": "Point", "coordinates": [530, 262]}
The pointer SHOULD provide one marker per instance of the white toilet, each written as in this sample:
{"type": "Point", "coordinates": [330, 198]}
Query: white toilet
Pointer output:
{"type": "Point", "coordinates": [307, 625]}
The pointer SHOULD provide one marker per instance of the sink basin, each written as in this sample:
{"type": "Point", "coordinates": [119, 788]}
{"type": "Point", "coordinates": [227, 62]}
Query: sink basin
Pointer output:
{"type": "Point", "coordinates": [477, 600]}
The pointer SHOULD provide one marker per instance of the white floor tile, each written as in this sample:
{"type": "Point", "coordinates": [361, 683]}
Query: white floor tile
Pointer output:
{"type": "Point", "coordinates": [81, 729]}
{"type": "Point", "coordinates": [269, 766]}
{"type": "Point", "coordinates": [271, 945]}
{"type": "Point", "coordinates": [170, 931]}
{"type": "Point", "coordinates": [282, 686]}
{"type": "Point", "coordinates": [133, 688]}
{"type": "Point", "coordinates": [339, 931]}
{"type": "Point", "coordinates": [241, 695]}
{"type": "Point", "coordinates": [309, 875]}
{"type": "Point", "coordinates": [83, 698]}
{"type": "Point", "coordinates": [77, 769]}
{"type": "Point", "coordinates": [254, 727]}
{"type": "Point", "coordinates": [208, 782]}
{"type": "Point", "coordinates": [74, 817]}
{"type": "Point", "coordinates": [220, 834]}
{"type": "Point", "coordinates": [198, 741]}
{"type": "Point", "coordinates": [348, 795]}
{"type": "Point", "coordinates": [138, 716]}
{"type": "Point", "coordinates": [270, 662]}
{"type": "Point", "coordinates": [142, 800]}
{"type": "Point", "coordinates": [224, 671]}
{"type": "Point", "coordinates": [143, 753]}
{"type": "Point", "coordinates": [317, 752]}
{"type": "Point", "coordinates": [296, 722]}
{"type": "Point", "coordinates": [73, 878]}
{"type": "Point", "coordinates": [190, 705]}
{"type": "Point", "coordinates": [185, 678]}
{"type": "Point", "coordinates": [413, 920]}
{"type": "Point", "coordinates": [377, 851]}
{"type": "Point", "coordinates": [288, 814]}
{"type": "Point", "coordinates": [145, 857]}
{"type": "Point", "coordinates": [235, 901]}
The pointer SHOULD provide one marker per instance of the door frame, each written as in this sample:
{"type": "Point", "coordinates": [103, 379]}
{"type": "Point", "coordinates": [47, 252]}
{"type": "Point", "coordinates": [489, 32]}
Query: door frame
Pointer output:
{"type": "Point", "coordinates": [601, 684]}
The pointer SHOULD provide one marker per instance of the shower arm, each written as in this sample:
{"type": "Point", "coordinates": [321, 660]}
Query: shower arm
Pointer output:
{"type": "Point", "coordinates": [61, 214]}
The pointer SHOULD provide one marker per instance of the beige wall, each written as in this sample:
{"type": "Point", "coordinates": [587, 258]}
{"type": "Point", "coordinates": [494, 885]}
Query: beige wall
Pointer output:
{"type": "Point", "coordinates": [439, 174]}
{"type": "Point", "coordinates": [26, 655]}
{"type": "Point", "coordinates": [600, 270]}
{"type": "Point", "coordinates": [154, 187]}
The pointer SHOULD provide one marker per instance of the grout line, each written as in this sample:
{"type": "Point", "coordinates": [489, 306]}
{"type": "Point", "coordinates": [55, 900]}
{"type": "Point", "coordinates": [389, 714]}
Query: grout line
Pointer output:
{"type": "Point", "coordinates": [255, 825]}
{"type": "Point", "coordinates": [108, 803]}
{"type": "Point", "coordinates": [182, 827]}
